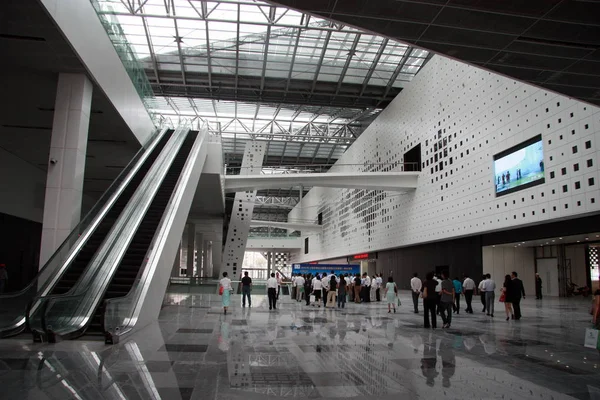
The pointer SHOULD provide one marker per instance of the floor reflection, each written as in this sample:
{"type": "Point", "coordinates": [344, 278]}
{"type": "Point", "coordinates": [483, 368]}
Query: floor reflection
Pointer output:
{"type": "Point", "coordinates": [195, 352]}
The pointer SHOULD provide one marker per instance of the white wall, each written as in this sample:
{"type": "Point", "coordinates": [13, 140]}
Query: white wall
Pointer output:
{"type": "Point", "coordinates": [479, 114]}
{"type": "Point", "coordinates": [502, 260]}
{"type": "Point", "coordinates": [22, 186]}
{"type": "Point", "coordinates": [81, 26]}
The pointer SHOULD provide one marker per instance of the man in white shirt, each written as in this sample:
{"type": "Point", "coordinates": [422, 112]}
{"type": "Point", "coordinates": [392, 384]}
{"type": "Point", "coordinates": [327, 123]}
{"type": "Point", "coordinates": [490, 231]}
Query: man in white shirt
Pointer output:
{"type": "Point", "coordinates": [481, 289]}
{"type": "Point", "coordinates": [438, 292]}
{"type": "Point", "coordinates": [468, 288]}
{"type": "Point", "coordinates": [379, 281]}
{"type": "Point", "coordinates": [272, 291]}
{"type": "Point", "coordinates": [490, 294]}
{"type": "Point", "coordinates": [366, 288]}
{"type": "Point", "coordinates": [416, 285]}
{"type": "Point", "coordinates": [294, 287]}
{"type": "Point", "coordinates": [299, 287]}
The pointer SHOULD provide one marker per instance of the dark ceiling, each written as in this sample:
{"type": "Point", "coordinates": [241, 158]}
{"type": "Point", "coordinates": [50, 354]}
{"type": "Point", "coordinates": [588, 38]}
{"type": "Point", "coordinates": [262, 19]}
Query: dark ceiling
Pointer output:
{"type": "Point", "coordinates": [554, 44]}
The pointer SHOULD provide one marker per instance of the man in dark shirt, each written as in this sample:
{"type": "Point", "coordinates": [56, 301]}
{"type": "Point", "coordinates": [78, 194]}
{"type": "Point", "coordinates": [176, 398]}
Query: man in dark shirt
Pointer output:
{"type": "Point", "coordinates": [515, 290]}
{"type": "Point", "coordinates": [446, 299]}
{"type": "Point", "coordinates": [246, 289]}
{"type": "Point", "coordinates": [538, 287]}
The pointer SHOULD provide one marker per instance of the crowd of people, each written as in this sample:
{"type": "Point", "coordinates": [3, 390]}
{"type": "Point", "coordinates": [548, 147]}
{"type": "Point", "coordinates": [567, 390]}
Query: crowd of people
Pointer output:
{"type": "Point", "coordinates": [440, 294]}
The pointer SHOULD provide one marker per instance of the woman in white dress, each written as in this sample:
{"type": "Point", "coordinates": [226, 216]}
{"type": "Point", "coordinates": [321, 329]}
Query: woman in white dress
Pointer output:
{"type": "Point", "coordinates": [225, 283]}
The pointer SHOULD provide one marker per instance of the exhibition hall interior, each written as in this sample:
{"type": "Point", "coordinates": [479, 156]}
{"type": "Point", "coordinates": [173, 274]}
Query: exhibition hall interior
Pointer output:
{"type": "Point", "coordinates": [243, 199]}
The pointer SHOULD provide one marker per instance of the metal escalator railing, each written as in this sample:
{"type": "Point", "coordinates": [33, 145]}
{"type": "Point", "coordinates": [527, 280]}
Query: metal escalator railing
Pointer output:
{"type": "Point", "coordinates": [121, 313]}
{"type": "Point", "coordinates": [14, 306]}
{"type": "Point", "coordinates": [67, 315]}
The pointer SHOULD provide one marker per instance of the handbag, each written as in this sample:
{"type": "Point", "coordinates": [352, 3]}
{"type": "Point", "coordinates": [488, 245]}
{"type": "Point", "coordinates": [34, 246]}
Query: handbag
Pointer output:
{"type": "Point", "coordinates": [502, 297]}
{"type": "Point", "coordinates": [221, 291]}
{"type": "Point", "coordinates": [312, 298]}
{"type": "Point", "coordinates": [399, 302]}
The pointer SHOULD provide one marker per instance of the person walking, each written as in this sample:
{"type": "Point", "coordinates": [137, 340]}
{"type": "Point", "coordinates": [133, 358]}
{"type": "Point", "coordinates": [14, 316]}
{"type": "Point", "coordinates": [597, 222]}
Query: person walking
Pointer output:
{"type": "Point", "coordinates": [308, 288]}
{"type": "Point", "coordinates": [538, 287]}
{"type": "Point", "coordinates": [294, 287]}
{"type": "Point", "coordinates": [246, 289]}
{"type": "Point", "coordinates": [429, 301]}
{"type": "Point", "coordinates": [373, 291]}
{"type": "Point", "coordinates": [342, 291]}
{"type": "Point", "coordinates": [458, 288]}
{"type": "Point", "coordinates": [490, 294]}
{"type": "Point", "coordinates": [379, 281]}
{"type": "Point", "coordinates": [415, 286]}
{"type": "Point", "coordinates": [366, 288]}
{"type": "Point", "coordinates": [357, 288]}
{"type": "Point", "coordinates": [225, 287]}
{"type": "Point", "coordinates": [468, 289]}
{"type": "Point", "coordinates": [505, 297]}
{"type": "Point", "coordinates": [446, 300]}
{"type": "Point", "coordinates": [438, 291]}
{"type": "Point", "coordinates": [317, 290]}
{"type": "Point", "coordinates": [3, 277]}
{"type": "Point", "coordinates": [517, 290]}
{"type": "Point", "coordinates": [482, 291]}
{"type": "Point", "coordinates": [391, 294]}
{"type": "Point", "coordinates": [331, 291]}
{"type": "Point", "coordinates": [272, 286]}
{"type": "Point", "coordinates": [299, 287]}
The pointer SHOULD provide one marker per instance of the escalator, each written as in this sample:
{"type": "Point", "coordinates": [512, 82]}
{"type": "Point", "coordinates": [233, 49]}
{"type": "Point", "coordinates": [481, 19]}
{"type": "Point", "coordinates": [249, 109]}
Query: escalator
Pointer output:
{"type": "Point", "coordinates": [114, 281]}
{"type": "Point", "coordinates": [62, 270]}
{"type": "Point", "coordinates": [129, 267]}
{"type": "Point", "coordinates": [83, 258]}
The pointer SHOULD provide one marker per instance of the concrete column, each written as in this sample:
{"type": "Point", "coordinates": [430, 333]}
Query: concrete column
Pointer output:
{"type": "Point", "coordinates": [269, 265]}
{"type": "Point", "coordinates": [66, 166]}
{"type": "Point", "coordinates": [191, 246]}
{"type": "Point", "coordinates": [301, 193]}
{"type": "Point", "coordinates": [177, 264]}
{"type": "Point", "coordinates": [199, 251]}
{"type": "Point", "coordinates": [208, 257]}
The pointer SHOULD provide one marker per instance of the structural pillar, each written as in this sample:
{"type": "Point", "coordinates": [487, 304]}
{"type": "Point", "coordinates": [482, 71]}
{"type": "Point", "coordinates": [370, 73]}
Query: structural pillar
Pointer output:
{"type": "Point", "coordinates": [66, 163]}
{"type": "Point", "coordinates": [269, 265]}
{"type": "Point", "coordinates": [176, 271]}
{"type": "Point", "coordinates": [199, 251]}
{"type": "Point", "coordinates": [208, 257]}
{"type": "Point", "coordinates": [301, 194]}
{"type": "Point", "coordinates": [191, 247]}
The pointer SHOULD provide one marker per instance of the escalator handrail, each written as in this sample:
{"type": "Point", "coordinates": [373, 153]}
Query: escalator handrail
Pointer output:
{"type": "Point", "coordinates": [58, 262]}
{"type": "Point", "coordinates": [90, 288]}
{"type": "Point", "coordinates": [122, 313]}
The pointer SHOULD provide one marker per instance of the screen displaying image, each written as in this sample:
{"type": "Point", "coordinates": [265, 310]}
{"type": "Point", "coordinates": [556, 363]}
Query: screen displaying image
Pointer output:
{"type": "Point", "coordinates": [519, 167]}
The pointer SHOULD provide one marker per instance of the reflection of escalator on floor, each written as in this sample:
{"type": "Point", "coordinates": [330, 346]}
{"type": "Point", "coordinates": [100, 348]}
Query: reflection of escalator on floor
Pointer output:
{"type": "Point", "coordinates": [85, 255]}
{"type": "Point", "coordinates": [127, 271]}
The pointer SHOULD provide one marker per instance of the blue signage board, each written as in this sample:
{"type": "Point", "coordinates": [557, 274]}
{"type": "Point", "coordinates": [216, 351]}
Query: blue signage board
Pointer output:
{"type": "Point", "coordinates": [350, 269]}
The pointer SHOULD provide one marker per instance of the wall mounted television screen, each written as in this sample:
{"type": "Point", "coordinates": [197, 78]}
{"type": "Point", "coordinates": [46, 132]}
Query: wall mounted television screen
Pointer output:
{"type": "Point", "coordinates": [519, 167]}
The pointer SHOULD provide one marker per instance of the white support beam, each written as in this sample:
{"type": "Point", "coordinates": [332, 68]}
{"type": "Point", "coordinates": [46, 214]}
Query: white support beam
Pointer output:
{"type": "Point", "coordinates": [287, 225]}
{"type": "Point", "coordinates": [391, 181]}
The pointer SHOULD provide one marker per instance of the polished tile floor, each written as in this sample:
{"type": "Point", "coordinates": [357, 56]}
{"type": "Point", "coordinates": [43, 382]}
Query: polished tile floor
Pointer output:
{"type": "Point", "coordinates": [361, 352]}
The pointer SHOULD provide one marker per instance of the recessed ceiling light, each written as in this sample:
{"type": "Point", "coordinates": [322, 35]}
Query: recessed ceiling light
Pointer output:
{"type": "Point", "coordinates": [560, 238]}
{"type": "Point", "coordinates": [553, 240]}
{"type": "Point", "coordinates": [578, 241]}
{"type": "Point", "coordinates": [587, 238]}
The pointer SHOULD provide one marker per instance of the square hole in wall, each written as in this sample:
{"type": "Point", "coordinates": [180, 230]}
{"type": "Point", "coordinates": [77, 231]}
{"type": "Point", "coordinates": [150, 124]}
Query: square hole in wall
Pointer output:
{"type": "Point", "coordinates": [574, 149]}
{"type": "Point", "coordinates": [563, 170]}
{"type": "Point", "coordinates": [588, 144]}
{"type": "Point", "coordinates": [577, 185]}
{"type": "Point", "coordinates": [591, 182]}
{"type": "Point", "coordinates": [565, 188]}
{"type": "Point", "coordinates": [575, 167]}
{"type": "Point", "coordinates": [578, 203]}
{"type": "Point", "coordinates": [590, 163]}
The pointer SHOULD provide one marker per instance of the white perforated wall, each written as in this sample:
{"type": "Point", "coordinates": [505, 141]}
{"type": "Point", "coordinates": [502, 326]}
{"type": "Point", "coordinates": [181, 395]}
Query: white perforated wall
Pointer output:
{"type": "Point", "coordinates": [241, 213]}
{"type": "Point", "coordinates": [470, 114]}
